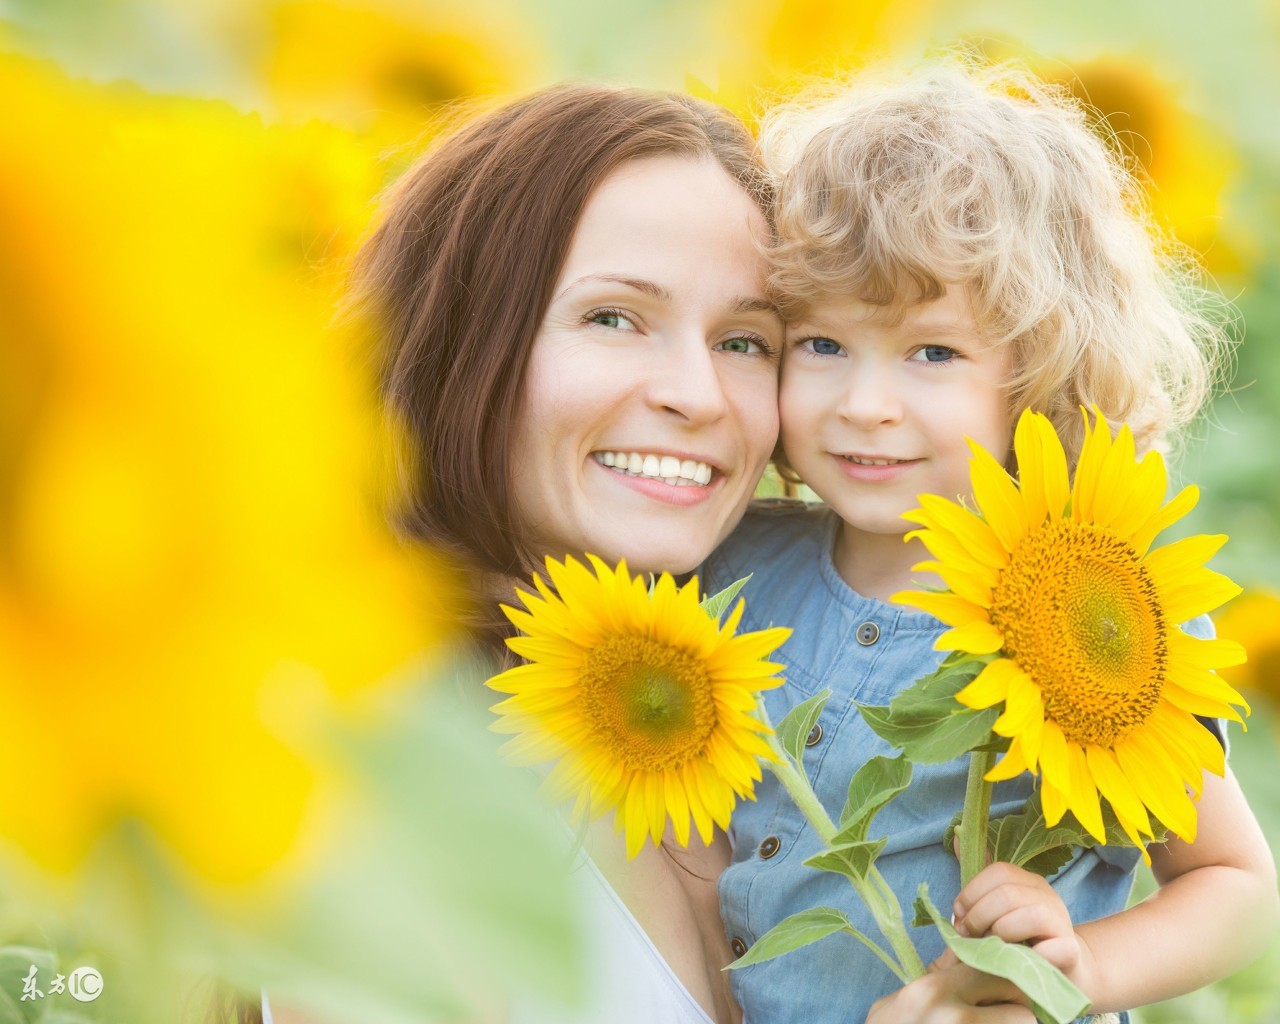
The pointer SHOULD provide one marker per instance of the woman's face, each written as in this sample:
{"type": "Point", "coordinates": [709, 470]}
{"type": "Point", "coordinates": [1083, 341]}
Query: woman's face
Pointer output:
{"type": "Point", "coordinates": [650, 403]}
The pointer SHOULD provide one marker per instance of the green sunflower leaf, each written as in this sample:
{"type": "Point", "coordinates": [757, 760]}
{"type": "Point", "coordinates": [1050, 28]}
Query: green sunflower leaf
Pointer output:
{"type": "Point", "coordinates": [1053, 997]}
{"type": "Point", "coordinates": [1026, 839]}
{"type": "Point", "coordinates": [796, 725]}
{"type": "Point", "coordinates": [717, 604]}
{"type": "Point", "coordinates": [800, 930]}
{"type": "Point", "coordinates": [927, 722]}
{"type": "Point", "coordinates": [873, 785]}
{"type": "Point", "coordinates": [853, 859]}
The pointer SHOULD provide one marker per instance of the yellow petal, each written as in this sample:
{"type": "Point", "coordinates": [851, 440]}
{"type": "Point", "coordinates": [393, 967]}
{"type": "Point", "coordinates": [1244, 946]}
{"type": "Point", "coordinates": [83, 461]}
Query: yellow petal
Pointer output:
{"type": "Point", "coordinates": [975, 638]}
{"type": "Point", "coordinates": [1042, 468]}
{"type": "Point", "coordinates": [997, 496]}
{"type": "Point", "coordinates": [990, 686]}
{"type": "Point", "coordinates": [950, 608]}
{"type": "Point", "coordinates": [1054, 760]}
{"type": "Point", "coordinates": [1120, 794]}
{"type": "Point", "coordinates": [1177, 507]}
{"type": "Point", "coordinates": [1087, 483]}
{"type": "Point", "coordinates": [1083, 796]}
{"type": "Point", "coordinates": [1157, 782]}
{"type": "Point", "coordinates": [1198, 593]}
{"type": "Point", "coordinates": [1009, 766]}
{"type": "Point", "coordinates": [975, 587]}
{"type": "Point", "coordinates": [977, 536]}
{"type": "Point", "coordinates": [1206, 654]}
{"type": "Point", "coordinates": [1143, 493]}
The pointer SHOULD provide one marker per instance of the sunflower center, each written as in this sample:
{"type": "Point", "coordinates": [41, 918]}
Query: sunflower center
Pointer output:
{"type": "Point", "coordinates": [650, 703]}
{"type": "Point", "coordinates": [1081, 616]}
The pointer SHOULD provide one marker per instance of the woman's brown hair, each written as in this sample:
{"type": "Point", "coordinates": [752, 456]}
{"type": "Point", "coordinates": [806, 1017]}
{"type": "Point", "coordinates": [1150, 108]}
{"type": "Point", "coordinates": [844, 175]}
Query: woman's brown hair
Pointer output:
{"type": "Point", "coordinates": [460, 272]}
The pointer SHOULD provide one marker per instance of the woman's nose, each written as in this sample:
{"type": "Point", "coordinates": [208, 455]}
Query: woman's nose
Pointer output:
{"type": "Point", "coordinates": [688, 383]}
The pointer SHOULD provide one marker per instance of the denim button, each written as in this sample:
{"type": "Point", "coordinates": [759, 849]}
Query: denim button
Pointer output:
{"type": "Point", "coordinates": [769, 846]}
{"type": "Point", "coordinates": [868, 633]}
{"type": "Point", "coordinates": [815, 735]}
{"type": "Point", "coordinates": [738, 946]}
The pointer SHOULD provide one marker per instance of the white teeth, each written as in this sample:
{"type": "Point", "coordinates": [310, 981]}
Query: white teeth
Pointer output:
{"type": "Point", "coordinates": [874, 462]}
{"type": "Point", "coordinates": [670, 470]}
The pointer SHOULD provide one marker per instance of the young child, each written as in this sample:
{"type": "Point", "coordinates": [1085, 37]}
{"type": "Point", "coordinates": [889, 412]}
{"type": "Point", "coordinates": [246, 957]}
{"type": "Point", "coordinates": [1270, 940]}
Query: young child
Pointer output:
{"type": "Point", "coordinates": [956, 246]}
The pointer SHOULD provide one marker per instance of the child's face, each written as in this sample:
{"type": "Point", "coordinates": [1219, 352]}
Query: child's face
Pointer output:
{"type": "Point", "coordinates": [875, 413]}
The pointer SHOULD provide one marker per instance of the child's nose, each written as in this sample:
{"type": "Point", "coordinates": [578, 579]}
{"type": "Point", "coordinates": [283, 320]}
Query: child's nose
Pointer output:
{"type": "Point", "coordinates": [871, 398]}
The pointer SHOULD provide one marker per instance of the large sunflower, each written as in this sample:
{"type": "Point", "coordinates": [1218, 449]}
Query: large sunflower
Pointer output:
{"type": "Point", "coordinates": [1099, 684]}
{"type": "Point", "coordinates": [645, 699]}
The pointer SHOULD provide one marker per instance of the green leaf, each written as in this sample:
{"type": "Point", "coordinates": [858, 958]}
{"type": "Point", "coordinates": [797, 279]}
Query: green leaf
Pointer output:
{"type": "Point", "coordinates": [717, 604]}
{"type": "Point", "coordinates": [1026, 839]}
{"type": "Point", "coordinates": [794, 932]}
{"type": "Point", "coordinates": [927, 722]}
{"type": "Point", "coordinates": [853, 859]}
{"type": "Point", "coordinates": [798, 723]}
{"type": "Point", "coordinates": [873, 785]}
{"type": "Point", "coordinates": [1053, 997]}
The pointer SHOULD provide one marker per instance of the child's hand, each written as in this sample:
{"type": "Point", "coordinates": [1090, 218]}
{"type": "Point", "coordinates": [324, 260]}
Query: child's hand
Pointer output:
{"type": "Point", "coordinates": [953, 995]}
{"type": "Point", "coordinates": [1020, 906]}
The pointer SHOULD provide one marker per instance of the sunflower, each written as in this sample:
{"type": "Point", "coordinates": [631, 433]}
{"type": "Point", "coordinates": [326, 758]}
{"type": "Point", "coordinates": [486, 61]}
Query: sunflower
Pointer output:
{"type": "Point", "coordinates": [1059, 581]}
{"type": "Point", "coordinates": [644, 700]}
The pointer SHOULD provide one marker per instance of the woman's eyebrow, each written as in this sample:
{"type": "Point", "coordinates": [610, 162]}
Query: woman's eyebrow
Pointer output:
{"type": "Point", "coordinates": [753, 304]}
{"type": "Point", "coordinates": [639, 284]}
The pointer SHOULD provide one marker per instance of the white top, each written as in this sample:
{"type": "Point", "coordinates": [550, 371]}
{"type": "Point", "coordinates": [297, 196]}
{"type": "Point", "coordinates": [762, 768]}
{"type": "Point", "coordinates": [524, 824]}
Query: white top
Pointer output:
{"type": "Point", "coordinates": [628, 982]}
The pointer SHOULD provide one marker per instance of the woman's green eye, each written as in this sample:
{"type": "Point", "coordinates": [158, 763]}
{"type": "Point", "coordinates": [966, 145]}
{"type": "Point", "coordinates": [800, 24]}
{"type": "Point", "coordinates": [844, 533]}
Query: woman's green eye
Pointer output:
{"type": "Point", "coordinates": [744, 345]}
{"type": "Point", "coordinates": [614, 319]}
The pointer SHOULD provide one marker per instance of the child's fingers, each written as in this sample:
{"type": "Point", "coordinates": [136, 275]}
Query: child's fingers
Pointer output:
{"type": "Point", "coordinates": [1062, 951]}
{"type": "Point", "coordinates": [1015, 919]}
{"type": "Point", "coordinates": [955, 995]}
{"type": "Point", "coordinates": [947, 959]}
{"type": "Point", "coordinates": [990, 878]}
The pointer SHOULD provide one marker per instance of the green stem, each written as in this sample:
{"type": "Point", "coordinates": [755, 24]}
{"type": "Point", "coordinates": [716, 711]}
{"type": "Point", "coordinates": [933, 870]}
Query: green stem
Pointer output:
{"type": "Point", "coordinates": [873, 890]}
{"type": "Point", "coordinates": [972, 830]}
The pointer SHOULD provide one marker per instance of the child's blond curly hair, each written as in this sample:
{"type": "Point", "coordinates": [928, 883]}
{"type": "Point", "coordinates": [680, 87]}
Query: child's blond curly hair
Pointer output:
{"type": "Point", "coordinates": [893, 184]}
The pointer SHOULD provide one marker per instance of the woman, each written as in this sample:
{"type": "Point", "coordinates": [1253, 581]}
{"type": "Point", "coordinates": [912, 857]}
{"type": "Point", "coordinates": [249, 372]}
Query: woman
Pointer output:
{"type": "Point", "coordinates": [584, 357]}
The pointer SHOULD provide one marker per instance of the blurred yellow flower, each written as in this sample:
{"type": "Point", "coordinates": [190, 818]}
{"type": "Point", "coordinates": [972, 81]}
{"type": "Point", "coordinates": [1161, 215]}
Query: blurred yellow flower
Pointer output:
{"type": "Point", "coordinates": [1187, 161]}
{"type": "Point", "coordinates": [769, 48]}
{"type": "Point", "coordinates": [386, 71]}
{"type": "Point", "coordinates": [187, 514]}
{"type": "Point", "coordinates": [1250, 620]}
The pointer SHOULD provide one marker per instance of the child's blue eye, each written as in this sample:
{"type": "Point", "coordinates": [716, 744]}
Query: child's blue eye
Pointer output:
{"type": "Point", "coordinates": [934, 354]}
{"type": "Point", "coordinates": [823, 346]}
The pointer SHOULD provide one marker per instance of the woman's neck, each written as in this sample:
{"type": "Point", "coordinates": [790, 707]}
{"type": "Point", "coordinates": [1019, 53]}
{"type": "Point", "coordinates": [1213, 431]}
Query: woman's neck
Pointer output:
{"type": "Point", "coordinates": [878, 565]}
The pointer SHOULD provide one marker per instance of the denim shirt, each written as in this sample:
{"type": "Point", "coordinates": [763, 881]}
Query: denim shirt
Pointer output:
{"type": "Point", "coordinates": [865, 651]}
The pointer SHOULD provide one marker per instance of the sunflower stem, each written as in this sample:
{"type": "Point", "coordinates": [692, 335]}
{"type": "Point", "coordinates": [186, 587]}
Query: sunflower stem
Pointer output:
{"type": "Point", "coordinates": [971, 833]}
{"type": "Point", "coordinates": [874, 891]}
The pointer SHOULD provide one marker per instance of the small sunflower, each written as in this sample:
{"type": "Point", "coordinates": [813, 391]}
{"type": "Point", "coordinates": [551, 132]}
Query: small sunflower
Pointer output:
{"type": "Point", "coordinates": [1059, 580]}
{"type": "Point", "coordinates": [644, 700]}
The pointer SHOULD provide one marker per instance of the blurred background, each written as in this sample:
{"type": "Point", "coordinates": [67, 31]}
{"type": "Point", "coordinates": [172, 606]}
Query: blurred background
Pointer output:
{"type": "Point", "coordinates": [184, 492]}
